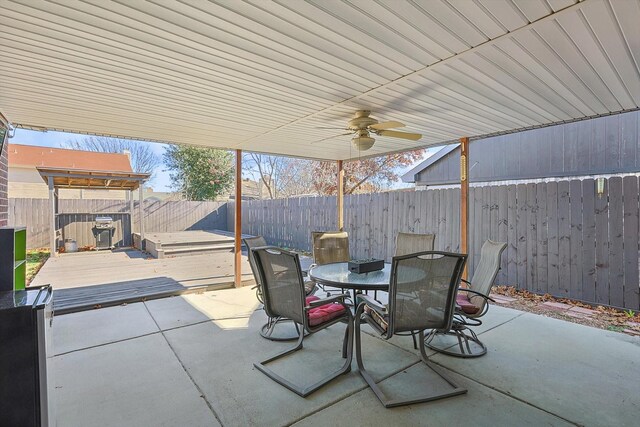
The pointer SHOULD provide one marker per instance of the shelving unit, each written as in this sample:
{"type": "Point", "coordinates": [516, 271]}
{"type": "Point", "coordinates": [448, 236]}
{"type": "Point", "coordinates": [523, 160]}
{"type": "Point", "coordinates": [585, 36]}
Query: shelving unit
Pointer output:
{"type": "Point", "coordinates": [13, 258]}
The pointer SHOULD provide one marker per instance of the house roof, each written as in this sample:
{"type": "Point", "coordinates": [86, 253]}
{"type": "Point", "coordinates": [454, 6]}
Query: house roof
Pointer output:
{"type": "Point", "coordinates": [411, 175]}
{"type": "Point", "coordinates": [60, 158]}
{"type": "Point", "coordinates": [271, 77]}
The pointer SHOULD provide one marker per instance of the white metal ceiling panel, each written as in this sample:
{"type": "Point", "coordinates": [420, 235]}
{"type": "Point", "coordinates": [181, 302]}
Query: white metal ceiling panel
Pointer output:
{"type": "Point", "coordinates": [272, 76]}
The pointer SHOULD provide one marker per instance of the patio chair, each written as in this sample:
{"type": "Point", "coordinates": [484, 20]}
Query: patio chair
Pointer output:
{"type": "Point", "coordinates": [421, 296]}
{"type": "Point", "coordinates": [330, 247]}
{"type": "Point", "coordinates": [284, 297]}
{"type": "Point", "coordinates": [411, 243]}
{"type": "Point", "coordinates": [268, 329]}
{"type": "Point", "coordinates": [472, 303]}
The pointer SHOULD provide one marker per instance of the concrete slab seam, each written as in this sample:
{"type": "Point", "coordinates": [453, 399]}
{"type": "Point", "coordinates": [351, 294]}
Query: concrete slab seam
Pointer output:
{"type": "Point", "coordinates": [106, 343]}
{"type": "Point", "coordinates": [202, 394]}
{"type": "Point", "coordinates": [328, 405]}
{"type": "Point", "coordinates": [507, 394]}
{"type": "Point", "coordinates": [150, 333]}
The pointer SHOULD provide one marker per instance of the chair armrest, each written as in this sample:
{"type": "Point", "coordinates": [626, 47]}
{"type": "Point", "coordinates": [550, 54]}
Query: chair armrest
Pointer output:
{"type": "Point", "coordinates": [323, 301]}
{"type": "Point", "coordinates": [305, 272]}
{"type": "Point", "coordinates": [372, 303]}
{"type": "Point", "coordinates": [476, 293]}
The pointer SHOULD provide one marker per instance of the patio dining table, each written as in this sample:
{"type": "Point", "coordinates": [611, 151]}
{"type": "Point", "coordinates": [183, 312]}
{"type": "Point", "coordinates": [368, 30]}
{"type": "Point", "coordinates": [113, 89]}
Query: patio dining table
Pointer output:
{"type": "Point", "coordinates": [337, 275]}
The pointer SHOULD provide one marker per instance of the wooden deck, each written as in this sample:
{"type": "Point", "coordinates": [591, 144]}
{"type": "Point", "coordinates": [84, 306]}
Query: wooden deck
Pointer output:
{"type": "Point", "coordinates": [188, 243]}
{"type": "Point", "coordinates": [86, 280]}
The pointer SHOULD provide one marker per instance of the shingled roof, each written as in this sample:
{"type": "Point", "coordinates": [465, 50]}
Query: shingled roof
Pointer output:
{"type": "Point", "coordinates": [32, 156]}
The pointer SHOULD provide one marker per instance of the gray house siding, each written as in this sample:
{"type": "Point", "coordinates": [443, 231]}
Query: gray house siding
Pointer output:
{"type": "Point", "coordinates": [604, 145]}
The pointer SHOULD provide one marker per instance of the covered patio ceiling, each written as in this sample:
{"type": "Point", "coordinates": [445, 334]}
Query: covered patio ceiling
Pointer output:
{"type": "Point", "coordinates": [263, 77]}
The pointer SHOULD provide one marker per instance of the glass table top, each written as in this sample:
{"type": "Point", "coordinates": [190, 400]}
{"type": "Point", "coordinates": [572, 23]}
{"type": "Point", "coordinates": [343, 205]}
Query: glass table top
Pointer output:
{"type": "Point", "coordinates": [338, 275]}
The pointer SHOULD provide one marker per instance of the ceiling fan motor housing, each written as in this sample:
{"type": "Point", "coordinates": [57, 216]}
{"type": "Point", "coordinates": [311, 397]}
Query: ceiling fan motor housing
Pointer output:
{"type": "Point", "coordinates": [361, 120]}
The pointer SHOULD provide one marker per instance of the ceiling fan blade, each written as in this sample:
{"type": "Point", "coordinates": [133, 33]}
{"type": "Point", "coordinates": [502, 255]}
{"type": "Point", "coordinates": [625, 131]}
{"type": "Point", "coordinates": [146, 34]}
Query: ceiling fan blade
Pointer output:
{"type": "Point", "coordinates": [331, 137]}
{"type": "Point", "coordinates": [387, 125]}
{"type": "Point", "coordinates": [403, 135]}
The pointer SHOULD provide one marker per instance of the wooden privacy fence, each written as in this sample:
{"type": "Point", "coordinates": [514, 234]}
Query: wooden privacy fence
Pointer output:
{"type": "Point", "coordinates": [77, 216]}
{"type": "Point", "coordinates": [563, 239]}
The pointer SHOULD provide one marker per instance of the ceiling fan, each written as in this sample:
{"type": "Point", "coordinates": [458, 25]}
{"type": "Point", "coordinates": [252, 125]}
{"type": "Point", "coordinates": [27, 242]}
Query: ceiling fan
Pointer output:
{"type": "Point", "coordinates": [361, 126]}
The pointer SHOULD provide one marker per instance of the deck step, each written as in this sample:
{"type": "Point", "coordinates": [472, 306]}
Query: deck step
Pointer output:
{"type": "Point", "coordinates": [196, 250]}
{"type": "Point", "coordinates": [219, 242]}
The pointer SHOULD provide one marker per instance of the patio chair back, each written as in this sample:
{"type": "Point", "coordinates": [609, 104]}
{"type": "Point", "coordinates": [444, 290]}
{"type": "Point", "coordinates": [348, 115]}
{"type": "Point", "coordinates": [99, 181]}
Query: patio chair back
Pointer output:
{"type": "Point", "coordinates": [486, 271]}
{"type": "Point", "coordinates": [252, 243]}
{"type": "Point", "coordinates": [423, 289]}
{"type": "Point", "coordinates": [411, 243]}
{"type": "Point", "coordinates": [282, 284]}
{"type": "Point", "coordinates": [330, 247]}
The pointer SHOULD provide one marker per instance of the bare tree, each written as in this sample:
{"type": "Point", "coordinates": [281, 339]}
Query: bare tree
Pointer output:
{"type": "Point", "coordinates": [280, 176]}
{"type": "Point", "coordinates": [362, 176]}
{"type": "Point", "coordinates": [143, 159]}
{"type": "Point", "coordinates": [284, 176]}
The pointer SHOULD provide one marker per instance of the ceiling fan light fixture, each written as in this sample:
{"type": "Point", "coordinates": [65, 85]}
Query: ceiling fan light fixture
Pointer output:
{"type": "Point", "coordinates": [363, 141]}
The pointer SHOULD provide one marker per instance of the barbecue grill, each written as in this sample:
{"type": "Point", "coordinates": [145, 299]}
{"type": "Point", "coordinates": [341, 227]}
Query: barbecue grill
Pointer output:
{"type": "Point", "coordinates": [103, 232]}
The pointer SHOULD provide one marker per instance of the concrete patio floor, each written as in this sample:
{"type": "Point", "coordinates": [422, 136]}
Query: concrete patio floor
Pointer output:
{"type": "Point", "coordinates": [188, 360]}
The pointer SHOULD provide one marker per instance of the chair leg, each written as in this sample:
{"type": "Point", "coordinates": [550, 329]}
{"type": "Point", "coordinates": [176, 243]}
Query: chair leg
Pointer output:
{"type": "Point", "coordinates": [305, 391]}
{"type": "Point", "coordinates": [346, 343]}
{"type": "Point", "coordinates": [390, 402]}
{"type": "Point", "coordinates": [467, 344]}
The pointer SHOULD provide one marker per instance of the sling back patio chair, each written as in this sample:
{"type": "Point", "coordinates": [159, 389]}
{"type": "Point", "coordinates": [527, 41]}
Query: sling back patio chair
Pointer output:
{"type": "Point", "coordinates": [421, 296]}
{"type": "Point", "coordinates": [411, 243]}
{"type": "Point", "coordinates": [330, 247]}
{"type": "Point", "coordinates": [472, 303]}
{"type": "Point", "coordinates": [268, 330]}
{"type": "Point", "coordinates": [284, 296]}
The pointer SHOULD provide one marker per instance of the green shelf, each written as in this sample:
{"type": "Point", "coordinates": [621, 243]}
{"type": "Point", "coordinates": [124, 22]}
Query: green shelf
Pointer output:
{"type": "Point", "coordinates": [13, 258]}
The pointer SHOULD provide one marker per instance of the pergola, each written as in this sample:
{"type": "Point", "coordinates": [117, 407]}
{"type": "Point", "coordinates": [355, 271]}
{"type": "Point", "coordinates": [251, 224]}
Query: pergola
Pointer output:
{"type": "Point", "coordinates": [95, 180]}
{"type": "Point", "coordinates": [271, 77]}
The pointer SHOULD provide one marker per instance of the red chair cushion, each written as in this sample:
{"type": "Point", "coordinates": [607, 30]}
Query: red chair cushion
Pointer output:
{"type": "Point", "coordinates": [463, 302]}
{"type": "Point", "coordinates": [324, 313]}
{"type": "Point", "coordinates": [311, 298]}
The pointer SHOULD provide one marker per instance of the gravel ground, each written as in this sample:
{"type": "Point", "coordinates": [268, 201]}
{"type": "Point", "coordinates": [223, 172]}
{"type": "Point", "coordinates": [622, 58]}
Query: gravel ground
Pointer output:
{"type": "Point", "coordinates": [595, 316]}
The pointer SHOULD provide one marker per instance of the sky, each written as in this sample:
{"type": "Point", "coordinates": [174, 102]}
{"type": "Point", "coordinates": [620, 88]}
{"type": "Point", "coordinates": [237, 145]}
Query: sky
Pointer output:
{"type": "Point", "coordinates": [161, 180]}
